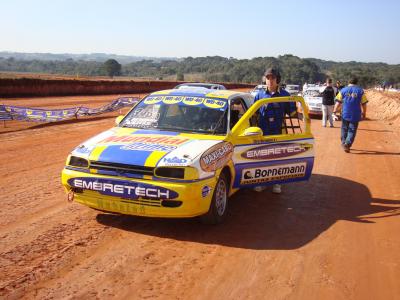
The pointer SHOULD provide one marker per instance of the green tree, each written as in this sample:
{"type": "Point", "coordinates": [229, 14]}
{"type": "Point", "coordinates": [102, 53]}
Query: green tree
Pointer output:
{"type": "Point", "coordinates": [180, 76]}
{"type": "Point", "coordinates": [112, 67]}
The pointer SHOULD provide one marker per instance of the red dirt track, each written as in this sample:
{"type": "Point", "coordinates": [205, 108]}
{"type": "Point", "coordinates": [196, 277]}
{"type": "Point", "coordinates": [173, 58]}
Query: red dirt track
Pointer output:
{"type": "Point", "coordinates": [334, 237]}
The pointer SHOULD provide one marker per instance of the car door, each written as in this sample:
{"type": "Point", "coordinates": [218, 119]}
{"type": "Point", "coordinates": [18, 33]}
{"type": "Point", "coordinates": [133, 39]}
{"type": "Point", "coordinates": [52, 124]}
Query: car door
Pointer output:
{"type": "Point", "coordinates": [261, 160]}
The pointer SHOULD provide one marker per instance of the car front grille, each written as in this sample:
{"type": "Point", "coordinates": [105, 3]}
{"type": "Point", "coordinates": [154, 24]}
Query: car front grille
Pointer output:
{"type": "Point", "coordinates": [154, 202]}
{"type": "Point", "coordinates": [121, 168]}
{"type": "Point", "coordinates": [144, 202]}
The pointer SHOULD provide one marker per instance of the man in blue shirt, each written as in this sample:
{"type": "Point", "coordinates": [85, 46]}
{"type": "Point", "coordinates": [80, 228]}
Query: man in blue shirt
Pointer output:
{"type": "Point", "coordinates": [271, 116]}
{"type": "Point", "coordinates": [354, 102]}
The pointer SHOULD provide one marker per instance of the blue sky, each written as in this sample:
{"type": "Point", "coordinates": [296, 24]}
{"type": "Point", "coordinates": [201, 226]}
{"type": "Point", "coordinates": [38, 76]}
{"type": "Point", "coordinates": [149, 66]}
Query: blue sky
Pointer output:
{"type": "Point", "coordinates": [367, 31]}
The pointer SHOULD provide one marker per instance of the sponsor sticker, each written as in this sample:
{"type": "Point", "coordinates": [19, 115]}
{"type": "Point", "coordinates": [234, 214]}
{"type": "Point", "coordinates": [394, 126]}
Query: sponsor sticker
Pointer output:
{"type": "Point", "coordinates": [142, 122]}
{"type": "Point", "coordinates": [272, 173]}
{"type": "Point", "coordinates": [193, 100]}
{"type": "Point", "coordinates": [276, 151]}
{"type": "Point", "coordinates": [153, 100]}
{"type": "Point", "coordinates": [174, 161]}
{"type": "Point", "coordinates": [123, 189]}
{"type": "Point", "coordinates": [83, 149]}
{"type": "Point", "coordinates": [172, 99]}
{"type": "Point", "coordinates": [148, 147]}
{"type": "Point", "coordinates": [216, 156]}
{"type": "Point", "coordinates": [213, 103]}
{"type": "Point", "coordinates": [147, 142]}
{"type": "Point", "coordinates": [205, 191]}
{"type": "Point", "coordinates": [148, 139]}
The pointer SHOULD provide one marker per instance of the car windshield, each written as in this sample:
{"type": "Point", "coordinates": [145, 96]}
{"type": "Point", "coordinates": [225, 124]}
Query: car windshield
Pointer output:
{"type": "Point", "coordinates": [179, 113]}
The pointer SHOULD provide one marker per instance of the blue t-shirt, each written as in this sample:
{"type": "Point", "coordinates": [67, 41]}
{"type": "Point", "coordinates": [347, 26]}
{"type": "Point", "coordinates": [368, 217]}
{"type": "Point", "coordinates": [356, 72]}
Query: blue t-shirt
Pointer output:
{"type": "Point", "coordinates": [271, 115]}
{"type": "Point", "coordinates": [351, 97]}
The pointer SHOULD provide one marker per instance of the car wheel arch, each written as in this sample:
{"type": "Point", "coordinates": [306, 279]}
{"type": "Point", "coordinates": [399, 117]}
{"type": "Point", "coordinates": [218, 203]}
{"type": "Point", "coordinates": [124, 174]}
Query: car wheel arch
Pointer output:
{"type": "Point", "coordinates": [228, 175]}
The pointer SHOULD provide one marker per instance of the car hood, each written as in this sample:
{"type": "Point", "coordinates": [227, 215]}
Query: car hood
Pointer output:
{"type": "Point", "coordinates": [150, 148]}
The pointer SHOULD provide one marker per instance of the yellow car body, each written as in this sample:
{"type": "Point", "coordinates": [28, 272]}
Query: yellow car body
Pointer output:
{"type": "Point", "coordinates": [175, 173]}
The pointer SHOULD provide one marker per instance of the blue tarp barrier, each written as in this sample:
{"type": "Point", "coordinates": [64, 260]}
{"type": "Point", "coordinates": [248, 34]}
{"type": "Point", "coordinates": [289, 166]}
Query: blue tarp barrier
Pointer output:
{"type": "Point", "coordinates": [8, 112]}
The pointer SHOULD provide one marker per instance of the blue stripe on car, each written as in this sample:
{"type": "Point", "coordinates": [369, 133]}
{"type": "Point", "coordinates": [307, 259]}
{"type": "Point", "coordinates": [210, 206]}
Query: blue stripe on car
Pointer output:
{"type": "Point", "coordinates": [116, 155]}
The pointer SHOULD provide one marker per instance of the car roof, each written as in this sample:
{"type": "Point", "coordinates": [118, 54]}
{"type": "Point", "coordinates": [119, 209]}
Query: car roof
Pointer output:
{"type": "Point", "coordinates": [213, 86]}
{"type": "Point", "coordinates": [260, 86]}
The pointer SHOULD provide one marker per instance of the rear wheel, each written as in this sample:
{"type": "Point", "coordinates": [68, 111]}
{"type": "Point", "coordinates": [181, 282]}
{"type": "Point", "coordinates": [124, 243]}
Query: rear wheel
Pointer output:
{"type": "Point", "coordinates": [219, 203]}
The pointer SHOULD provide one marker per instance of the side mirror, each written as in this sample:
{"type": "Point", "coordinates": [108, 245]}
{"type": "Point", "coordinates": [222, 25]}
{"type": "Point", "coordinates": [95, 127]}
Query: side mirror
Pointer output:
{"type": "Point", "coordinates": [253, 131]}
{"type": "Point", "coordinates": [118, 120]}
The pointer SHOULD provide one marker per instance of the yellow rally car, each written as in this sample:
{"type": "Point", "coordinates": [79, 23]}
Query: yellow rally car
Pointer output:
{"type": "Point", "coordinates": [182, 153]}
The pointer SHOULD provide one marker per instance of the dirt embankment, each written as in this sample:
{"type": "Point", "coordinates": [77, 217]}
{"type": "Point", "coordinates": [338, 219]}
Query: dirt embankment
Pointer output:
{"type": "Point", "coordinates": [23, 87]}
{"type": "Point", "coordinates": [384, 106]}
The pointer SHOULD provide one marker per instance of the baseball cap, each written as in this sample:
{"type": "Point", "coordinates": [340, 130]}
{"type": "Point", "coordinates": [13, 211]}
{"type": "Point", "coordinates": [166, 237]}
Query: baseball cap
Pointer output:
{"type": "Point", "coordinates": [272, 71]}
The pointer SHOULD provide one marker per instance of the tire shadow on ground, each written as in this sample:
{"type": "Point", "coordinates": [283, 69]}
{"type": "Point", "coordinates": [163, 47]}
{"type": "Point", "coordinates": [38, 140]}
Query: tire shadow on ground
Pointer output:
{"type": "Point", "coordinates": [263, 220]}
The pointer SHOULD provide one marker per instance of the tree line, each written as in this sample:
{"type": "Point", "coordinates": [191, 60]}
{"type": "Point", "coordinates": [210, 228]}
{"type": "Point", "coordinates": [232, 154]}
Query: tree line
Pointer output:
{"type": "Point", "coordinates": [294, 70]}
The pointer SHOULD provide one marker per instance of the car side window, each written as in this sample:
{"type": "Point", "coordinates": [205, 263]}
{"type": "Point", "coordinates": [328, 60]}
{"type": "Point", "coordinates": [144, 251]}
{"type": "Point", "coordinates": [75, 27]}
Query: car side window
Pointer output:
{"type": "Point", "coordinates": [237, 110]}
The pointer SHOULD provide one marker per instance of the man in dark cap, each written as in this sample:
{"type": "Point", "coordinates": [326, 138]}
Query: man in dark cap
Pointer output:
{"type": "Point", "coordinates": [354, 102]}
{"type": "Point", "coordinates": [271, 116]}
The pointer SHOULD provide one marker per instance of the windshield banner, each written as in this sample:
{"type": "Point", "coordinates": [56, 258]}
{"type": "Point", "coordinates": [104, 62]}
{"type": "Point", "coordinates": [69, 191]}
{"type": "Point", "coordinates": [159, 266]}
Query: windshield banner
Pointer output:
{"type": "Point", "coordinates": [189, 101]}
{"type": "Point", "coordinates": [8, 112]}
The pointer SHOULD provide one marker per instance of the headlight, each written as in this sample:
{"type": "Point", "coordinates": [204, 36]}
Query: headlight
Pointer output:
{"type": "Point", "coordinates": [170, 172]}
{"type": "Point", "coordinates": [187, 173]}
{"type": "Point", "coordinates": [75, 161]}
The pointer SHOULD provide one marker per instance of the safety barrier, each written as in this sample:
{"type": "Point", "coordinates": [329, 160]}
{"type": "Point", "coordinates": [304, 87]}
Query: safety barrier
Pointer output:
{"type": "Point", "coordinates": [8, 112]}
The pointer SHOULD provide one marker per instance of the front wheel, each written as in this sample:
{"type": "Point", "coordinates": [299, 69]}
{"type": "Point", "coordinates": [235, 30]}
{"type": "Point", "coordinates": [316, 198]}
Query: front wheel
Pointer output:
{"type": "Point", "coordinates": [218, 207]}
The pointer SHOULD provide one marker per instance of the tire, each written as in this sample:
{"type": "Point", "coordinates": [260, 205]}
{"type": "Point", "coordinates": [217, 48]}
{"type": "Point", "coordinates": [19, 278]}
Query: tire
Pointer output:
{"type": "Point", "coordinates": [219, 203]}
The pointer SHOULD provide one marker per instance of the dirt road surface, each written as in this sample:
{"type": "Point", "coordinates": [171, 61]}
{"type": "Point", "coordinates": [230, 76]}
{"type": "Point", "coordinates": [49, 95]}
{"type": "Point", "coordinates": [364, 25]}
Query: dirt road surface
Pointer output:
{"type": "Point", "coordinates": [334, 237]}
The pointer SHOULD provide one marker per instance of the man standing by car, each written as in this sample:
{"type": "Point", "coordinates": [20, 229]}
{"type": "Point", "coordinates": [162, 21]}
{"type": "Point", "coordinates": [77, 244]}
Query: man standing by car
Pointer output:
{"type": "Point", "coordinates": [271, 116]}
{"type": "Point", "coordinates": [328, 93]}
{"type": "Point", "coordinates": [353, 99]}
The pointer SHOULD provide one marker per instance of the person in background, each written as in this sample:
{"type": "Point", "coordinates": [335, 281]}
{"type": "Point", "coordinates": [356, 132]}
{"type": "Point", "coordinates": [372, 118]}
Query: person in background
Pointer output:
{"type": "Point", "coordinates": [271, 116]}
{"type": "Point", "coordinates": [354, 103]}
{"type": "Point", "coordinates": [328, 93]}
{"type": "Point", "coordinates": [339, 86]}
{"type": "Point", "coordinates": [305, 85]}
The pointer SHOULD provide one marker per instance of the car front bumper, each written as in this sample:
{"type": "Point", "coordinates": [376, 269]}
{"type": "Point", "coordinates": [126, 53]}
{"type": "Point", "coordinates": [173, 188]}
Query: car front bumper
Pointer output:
{"type": "Point", "coordinates": [193, 198]}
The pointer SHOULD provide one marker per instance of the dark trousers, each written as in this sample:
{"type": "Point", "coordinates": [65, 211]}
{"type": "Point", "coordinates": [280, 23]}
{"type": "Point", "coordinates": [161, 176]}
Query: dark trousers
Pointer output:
{"type": "Point", "coordinates": [349, 130]}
